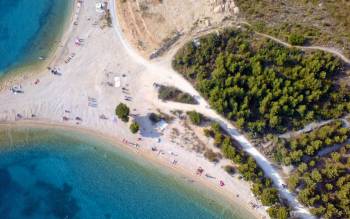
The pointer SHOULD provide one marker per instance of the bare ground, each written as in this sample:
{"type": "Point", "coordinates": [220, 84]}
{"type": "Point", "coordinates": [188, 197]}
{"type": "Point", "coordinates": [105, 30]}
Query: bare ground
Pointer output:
{"type": "Point", "coordinates": [154, 25]}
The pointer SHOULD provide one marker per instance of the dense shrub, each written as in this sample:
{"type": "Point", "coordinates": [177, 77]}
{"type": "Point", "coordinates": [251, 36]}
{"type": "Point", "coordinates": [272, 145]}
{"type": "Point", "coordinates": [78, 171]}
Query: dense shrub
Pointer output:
{"type": "Point", "coordinates": [324, 184]}
{"type": "Point", "coordinates": [278, 212]}
{"type": "Point", "coordinates": [292, 151]}
{"type": "Point", "coordinates": [212, 156]}
{"type": "Point", "coordinates": [122, 111]}
{"type": "Point", "coordinates": [195, 117]}
{"type": "Point", "coordinates": [296, 40]}
{"type": "Point", "coordinates": [134, 127]}
{"type": "Point", "coordinates": [269, 196]}
{"type": "Point", "coordinates": [261, 85]}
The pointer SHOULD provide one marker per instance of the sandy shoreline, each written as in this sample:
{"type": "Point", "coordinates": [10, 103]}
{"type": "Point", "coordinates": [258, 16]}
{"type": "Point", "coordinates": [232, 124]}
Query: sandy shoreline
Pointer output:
{"type": "Point", "coordinates": [101, 57]}
{"type": "Point", "coordinates": [146, 154]}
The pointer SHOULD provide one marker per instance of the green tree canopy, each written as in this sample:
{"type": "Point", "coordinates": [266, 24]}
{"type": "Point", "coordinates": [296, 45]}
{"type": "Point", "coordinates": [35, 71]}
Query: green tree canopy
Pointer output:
{"type": "Point", "coordinates": [122, 111]}
{"type": "Point", "coordinates": [269, 196]}
{"type": "Point", "coordinates": [134, 127]}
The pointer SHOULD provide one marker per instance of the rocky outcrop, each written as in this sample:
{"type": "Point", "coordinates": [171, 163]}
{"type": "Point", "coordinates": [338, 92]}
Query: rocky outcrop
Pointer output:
{"type": "Point", "coordinates": [224, 6]}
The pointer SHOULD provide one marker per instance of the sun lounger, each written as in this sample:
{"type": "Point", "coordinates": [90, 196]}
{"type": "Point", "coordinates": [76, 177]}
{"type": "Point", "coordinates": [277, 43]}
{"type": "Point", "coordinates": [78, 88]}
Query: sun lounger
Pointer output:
{"type": "Point", "coordinates": [103, 117]}
{"type": "Point", "coordinates": [92, 105]}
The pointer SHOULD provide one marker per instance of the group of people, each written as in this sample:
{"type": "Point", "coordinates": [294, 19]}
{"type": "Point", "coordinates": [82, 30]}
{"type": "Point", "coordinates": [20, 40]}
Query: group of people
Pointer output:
{"type": "Point", "coordinates": [55, 71]}
{"type": "Point", "coordinates": [253, 205]}
{"type": "Point", "coordinates": [131, 143]}
{"type": "Point", "coordinates": [78, 119]}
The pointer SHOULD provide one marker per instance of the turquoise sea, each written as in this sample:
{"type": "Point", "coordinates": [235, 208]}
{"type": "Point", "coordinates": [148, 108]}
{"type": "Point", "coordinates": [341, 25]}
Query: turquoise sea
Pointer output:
{"type": "Point", "coordinates": [55, 173]}
{"type": "Point", "coordinates": [29, 29]}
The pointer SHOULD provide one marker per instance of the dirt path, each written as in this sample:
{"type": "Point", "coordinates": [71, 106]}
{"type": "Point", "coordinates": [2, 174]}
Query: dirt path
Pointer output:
{"type": "Point", "coordinates": [325, 49]}
{"type": "Point", "coordinates": [313, 126]}
{"type": "Point", "coordinates": [307, 128]}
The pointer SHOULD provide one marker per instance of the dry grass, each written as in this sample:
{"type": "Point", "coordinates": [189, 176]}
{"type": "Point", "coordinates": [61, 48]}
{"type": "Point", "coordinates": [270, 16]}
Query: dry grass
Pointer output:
{"type": "Point", "coordinates": [324, 23]}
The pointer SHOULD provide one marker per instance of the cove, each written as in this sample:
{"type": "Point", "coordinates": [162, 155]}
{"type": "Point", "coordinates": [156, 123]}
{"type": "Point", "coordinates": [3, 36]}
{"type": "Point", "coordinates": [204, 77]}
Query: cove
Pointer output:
{"type": "Point", "coordinates": [56, 173]}
{"type": "Point", "coordinates": [30, 29]}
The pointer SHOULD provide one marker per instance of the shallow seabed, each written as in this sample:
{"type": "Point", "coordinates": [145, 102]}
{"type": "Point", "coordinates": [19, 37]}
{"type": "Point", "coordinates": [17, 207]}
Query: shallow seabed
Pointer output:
{"type": "Point", "coordinates": [29, 29]}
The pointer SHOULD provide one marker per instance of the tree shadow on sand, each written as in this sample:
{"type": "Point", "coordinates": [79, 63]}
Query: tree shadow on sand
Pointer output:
{"type": "Point", "coordinates": [148, 129]}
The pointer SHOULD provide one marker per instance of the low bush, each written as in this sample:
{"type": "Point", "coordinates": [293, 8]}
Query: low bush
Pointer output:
{"type": "Point", "coordinates": [167, 93]}
{"type": "Point", "coordinates": [195, 117]}
{"type": "Point", "coordinates": [230, 169]}
{"type": "Point", "coordinates": [296, 40]}
{"type": "Point", "coordinates": [134, 127]}
{"type": "Point", "coordinates": [212, 156]}
{"type": "Point", "coordinates": [154, 117]}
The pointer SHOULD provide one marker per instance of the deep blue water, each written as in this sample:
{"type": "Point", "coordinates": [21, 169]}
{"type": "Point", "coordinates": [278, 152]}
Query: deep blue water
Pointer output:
{"type": "Point", "coordinates": [28, 29]}
{"type": "Point", "coordinates": [56, 174]}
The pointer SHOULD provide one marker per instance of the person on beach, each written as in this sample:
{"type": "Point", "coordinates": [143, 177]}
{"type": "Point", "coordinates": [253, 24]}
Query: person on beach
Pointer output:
{"type": "Point", "coordinates": [200, 170]}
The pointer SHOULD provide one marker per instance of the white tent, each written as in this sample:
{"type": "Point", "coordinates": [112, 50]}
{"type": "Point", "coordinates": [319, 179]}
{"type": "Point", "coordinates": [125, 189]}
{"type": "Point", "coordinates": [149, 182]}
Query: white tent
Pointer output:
{"type": "Point", "coordinates": [117, 82]}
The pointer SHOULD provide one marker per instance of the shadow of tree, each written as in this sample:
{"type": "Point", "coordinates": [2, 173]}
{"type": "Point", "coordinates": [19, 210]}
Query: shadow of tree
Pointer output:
{"type": "Point", "coordinates": [147, 128]}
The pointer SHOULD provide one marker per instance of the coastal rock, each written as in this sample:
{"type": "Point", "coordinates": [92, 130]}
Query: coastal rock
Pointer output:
{"type": "Point", "coordinates": [221, 6]}
{"type": "Point", "coordinates": [218, 9]}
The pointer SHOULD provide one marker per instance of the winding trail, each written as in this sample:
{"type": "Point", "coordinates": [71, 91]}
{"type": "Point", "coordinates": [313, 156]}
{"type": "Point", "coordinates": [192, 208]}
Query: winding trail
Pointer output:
{"type": "Point", "coordinates": [325, 49]}
{"type": "Point", "coordinates": [203, 107]}
{"type": "Point", "coordinates": [307, 128]}
{"type": "Point", "coordinates": [322, 48]}
{"type": "Point", "coordinates": [313, 126]}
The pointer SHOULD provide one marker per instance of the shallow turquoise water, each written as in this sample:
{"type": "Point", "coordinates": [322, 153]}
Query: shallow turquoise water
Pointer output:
{"type": "Point", "coordinates": [28, 29]}
{"type": "Point", "coordinates": [59, 174]}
